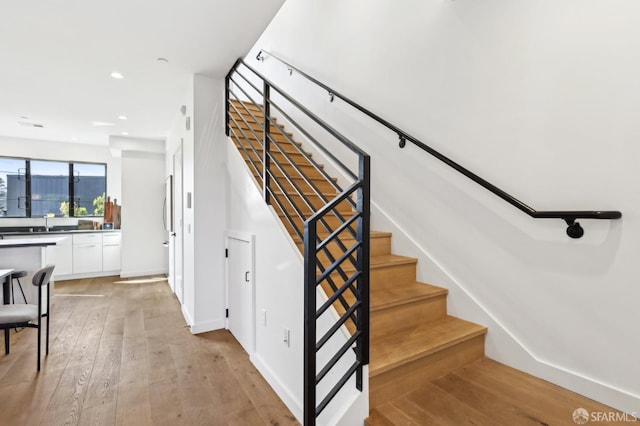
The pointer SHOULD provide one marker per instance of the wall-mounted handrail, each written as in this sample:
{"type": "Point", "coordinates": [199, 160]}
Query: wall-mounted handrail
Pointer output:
{"type": "Point", "coordinates": [574, 230]}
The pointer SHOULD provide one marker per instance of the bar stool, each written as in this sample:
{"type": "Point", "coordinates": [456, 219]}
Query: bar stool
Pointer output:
{"type": "Point", "coordinates": [15, 276]}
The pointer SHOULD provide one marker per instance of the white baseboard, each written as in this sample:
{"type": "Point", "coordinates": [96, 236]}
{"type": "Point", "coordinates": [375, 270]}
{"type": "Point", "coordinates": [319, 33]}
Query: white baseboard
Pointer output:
{"type": "Point", "coordinates": [293, 403]}
{"type": "Point", "coordinates": [87, 275]}
{"type": "Point", "coordinates": [203, 327]}
{"type": "Point", "coordinates": [129, 274]}
{"type": "Point", "coordinates": [186, 316]}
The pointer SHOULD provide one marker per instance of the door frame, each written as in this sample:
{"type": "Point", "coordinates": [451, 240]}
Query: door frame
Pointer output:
{"type": "Point", "coordinates": [249, 238]}
{"type": "Point", "coordinates": [178, 220]}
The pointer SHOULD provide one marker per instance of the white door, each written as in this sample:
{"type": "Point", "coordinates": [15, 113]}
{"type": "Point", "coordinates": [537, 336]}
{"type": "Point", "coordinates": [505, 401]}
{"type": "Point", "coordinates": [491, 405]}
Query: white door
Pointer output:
{"type": "Point", "coordinates": [177, 225]}
{"type": "Point", "coordinates": [240, 290]}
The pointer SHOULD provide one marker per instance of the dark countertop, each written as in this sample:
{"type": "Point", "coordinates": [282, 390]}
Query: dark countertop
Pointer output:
{"type": "Point", "coordinates": [54, 232]}
{"type": "Point", "coordinates": [29, 242]}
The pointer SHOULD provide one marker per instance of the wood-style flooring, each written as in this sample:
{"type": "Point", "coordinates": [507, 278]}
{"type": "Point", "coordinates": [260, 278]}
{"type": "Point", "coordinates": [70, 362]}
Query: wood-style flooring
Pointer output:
{"type": "Point", "coordinates": [121, 354]}
{"type": "Point", "coordinates": [490, 394]}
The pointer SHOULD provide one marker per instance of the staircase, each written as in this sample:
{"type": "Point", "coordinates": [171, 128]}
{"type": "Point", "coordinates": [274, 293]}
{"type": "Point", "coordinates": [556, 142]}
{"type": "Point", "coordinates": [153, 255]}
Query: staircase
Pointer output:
{"type": "Point", "coordinates": [412, 338]}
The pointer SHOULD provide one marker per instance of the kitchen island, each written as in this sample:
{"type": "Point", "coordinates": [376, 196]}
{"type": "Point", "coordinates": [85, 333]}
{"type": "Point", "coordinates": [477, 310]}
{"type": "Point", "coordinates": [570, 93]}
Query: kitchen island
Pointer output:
{"type": "Point", "coordinates": [28, 254]}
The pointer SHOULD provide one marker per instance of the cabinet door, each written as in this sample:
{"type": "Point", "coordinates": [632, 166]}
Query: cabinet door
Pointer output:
{"type": "Point", "coordinates": [62, 256]}
{"type": "Point", "coordinates": [111, 252]}
{"type": "Point", "coordinates": [87, 253]}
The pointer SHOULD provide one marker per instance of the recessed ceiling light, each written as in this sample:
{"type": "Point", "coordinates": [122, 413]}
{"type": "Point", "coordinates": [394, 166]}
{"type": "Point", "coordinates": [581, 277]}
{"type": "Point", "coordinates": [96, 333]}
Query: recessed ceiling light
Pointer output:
{"type": "Point", "coordinates": [29, 124]}
{"type": "Point", "coordinates": [125, 133]}
{"type": "Point", "coordinates": [162, 60]}
{"type": "Point", "coordinates": [74, 139]}
{"type": "Point", "coordinates": [117, 75]}
{"type": "Point", "coordinates": [122, 117]}
{"type": "Point", "coordinates": [101, 124]}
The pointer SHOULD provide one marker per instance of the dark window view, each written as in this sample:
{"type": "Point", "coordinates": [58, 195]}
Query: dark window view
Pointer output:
{"type": "Point", "coordinates": [49, 188]}
{"type": "Point", "coordinates": [89, 189]}
{"type": "Point", "coordinates": [38, 188]}
{"type": "Point", "coordinates": [13, 187]}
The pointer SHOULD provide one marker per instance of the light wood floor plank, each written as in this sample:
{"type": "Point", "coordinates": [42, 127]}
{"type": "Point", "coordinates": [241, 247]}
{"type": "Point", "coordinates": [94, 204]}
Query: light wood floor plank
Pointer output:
{"type": "Point", "coordinates": [121, 354]}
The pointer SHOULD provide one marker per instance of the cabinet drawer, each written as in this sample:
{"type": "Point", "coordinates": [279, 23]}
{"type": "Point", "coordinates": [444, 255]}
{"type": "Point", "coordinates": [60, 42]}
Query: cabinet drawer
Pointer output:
{"type": "Point", "coordinates": [111, 239]}
{"type": "Point", "coordinates": [87, 239]}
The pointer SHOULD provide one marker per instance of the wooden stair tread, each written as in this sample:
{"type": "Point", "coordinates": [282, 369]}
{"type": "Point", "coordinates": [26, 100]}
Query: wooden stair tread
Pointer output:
{"type": "Point", "coordinates": [377, 419]}
{"type": "Point", "coordinates": [390, 260]}
{"type": "Point", "coordinates": [400, 348]}
{"type": "Point", "coordinates": [388, 297]}
{"type": "Point", "coordinates": [383, 261]}
{"type": "Point", "coordinates": [324, 233]}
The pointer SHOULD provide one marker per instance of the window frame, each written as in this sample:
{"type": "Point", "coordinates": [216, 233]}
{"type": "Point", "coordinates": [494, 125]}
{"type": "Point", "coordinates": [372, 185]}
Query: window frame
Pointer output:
{"type": "Point", "coordinates": [71, 178]}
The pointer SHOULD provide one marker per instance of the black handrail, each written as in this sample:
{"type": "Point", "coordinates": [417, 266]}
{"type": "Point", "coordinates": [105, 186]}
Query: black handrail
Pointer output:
{"type": "Point", "coordinates": [353, 259]}
{"type": "Point", "coordinates": [574, 230]}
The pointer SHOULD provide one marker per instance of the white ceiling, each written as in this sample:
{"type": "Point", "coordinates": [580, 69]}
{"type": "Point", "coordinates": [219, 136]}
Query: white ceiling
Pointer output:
{"type": "Point", "coordinates": [56, 57]}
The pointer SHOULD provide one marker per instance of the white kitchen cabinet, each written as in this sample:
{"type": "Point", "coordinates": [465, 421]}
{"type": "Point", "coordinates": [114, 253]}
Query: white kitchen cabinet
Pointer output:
{"type": "Point", "coordinates": [61, 255]}
{"type": "Point", "coordinates": [111, 260]}
{"type": "Point", "coordinates": [87, 253]}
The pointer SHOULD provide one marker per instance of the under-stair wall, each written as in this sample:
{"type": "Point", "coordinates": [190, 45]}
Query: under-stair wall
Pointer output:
{"type": "Point", "coordinates": [450, 77]}
{"type": "Point", "coordinates": [279, 292]}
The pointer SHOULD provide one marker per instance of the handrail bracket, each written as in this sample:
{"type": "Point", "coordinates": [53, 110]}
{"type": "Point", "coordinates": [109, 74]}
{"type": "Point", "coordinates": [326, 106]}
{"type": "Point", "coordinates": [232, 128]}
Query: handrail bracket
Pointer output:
{"type": "Point", "coordinates": [403, 141]}
{"type": "Point", "coordinates": [574, 230]}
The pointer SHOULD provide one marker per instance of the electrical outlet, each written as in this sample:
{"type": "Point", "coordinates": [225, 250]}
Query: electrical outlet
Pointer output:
{"type": "Point", "coordinates": [287, 337]}
{"type": "Point", "coordinates": [264, 317]}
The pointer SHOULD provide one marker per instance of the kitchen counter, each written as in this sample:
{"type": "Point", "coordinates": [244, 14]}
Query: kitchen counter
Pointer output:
{"type": "Point", "coordinates": [29, 242]}
{"type": "Point", "coordinates": [54, 232]}
{"type": "Point", "coordinates": [29, 254]}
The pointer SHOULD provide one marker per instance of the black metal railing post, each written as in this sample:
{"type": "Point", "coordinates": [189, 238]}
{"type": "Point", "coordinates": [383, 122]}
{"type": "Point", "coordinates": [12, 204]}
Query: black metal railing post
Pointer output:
{"type": "Point", "coordinates": [266, 144]}
{"type": "Point", "coordinates": [227, 106]}
{"type": "Point", "coordinates": [310, 266]}
{"type": "Point", "coordinates": [363, 232]}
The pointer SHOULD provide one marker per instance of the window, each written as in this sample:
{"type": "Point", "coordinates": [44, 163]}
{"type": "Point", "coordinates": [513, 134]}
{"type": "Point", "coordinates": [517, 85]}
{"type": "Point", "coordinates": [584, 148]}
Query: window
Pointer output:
{"type": "Point", "coordinates": [13, 187]}
{"type": "Point", "coordinates": [49, 187]}
{"type": "Point", "coordinates": [89, 188]}
{"type": "Point", "coordinates": [37, 188]}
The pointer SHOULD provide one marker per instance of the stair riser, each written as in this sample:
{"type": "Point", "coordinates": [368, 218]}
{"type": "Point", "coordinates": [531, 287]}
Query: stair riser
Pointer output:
{"type": "Point", "coordinates": [247, 104]}
{"type": "Point", "coordinates": [379, 246]}
{"type": "Point", "coordinates": [247, 116]}
{"type": "Point", "coordinates": [278, 142]}
{"type": "Point", "coordinates": [396, 318]}
{"type": "Point", "coordinates": [303, 207]}
{"type": "Point", "coordinates": [256, 127]}
{"type": "Point", "coordinates": [307, 169]}
{"type": "Point", "coordinates": [256, 153]}
{"type": "Point", "coordinates": [322, 185]}
{"type": "Point", "coordinates": [414, 374]}
{"type": "Point", "coordinates": [393, 275]}
{"type": "Point", "coordinates": [250, 138]}
{"type": "Point", "coordinates": [332, 222]}
{"type": "Point", "coordinates": [379, 277]}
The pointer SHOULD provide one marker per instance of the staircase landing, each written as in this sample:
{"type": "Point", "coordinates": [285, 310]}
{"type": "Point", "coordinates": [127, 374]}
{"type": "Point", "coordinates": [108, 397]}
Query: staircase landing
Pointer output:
{"type": "Point", "coordinates": [485, 393]}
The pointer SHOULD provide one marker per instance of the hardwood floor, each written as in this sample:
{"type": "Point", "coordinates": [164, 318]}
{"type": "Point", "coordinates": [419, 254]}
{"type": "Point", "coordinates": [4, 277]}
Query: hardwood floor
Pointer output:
{"type": "Point", "coordinates": [121, 354]}
{"type": "Point", "coordinates": [488, 393]}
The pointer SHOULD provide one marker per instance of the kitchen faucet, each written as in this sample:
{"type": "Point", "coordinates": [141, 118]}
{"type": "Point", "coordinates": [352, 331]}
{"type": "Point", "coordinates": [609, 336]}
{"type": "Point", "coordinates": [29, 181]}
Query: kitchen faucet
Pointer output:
{"type": "Point", "coordinates": [46, 223]}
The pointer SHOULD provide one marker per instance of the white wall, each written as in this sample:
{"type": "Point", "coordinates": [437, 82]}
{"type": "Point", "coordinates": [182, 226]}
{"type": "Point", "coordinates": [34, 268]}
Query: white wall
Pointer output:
{"type": "Point", "coordinates": [141, 211]}
{"type": "Point", "coordinates": [537, 97]}
{"type": "Point", "coordinates": [279, 294]}
{"type": "Point", "coordinates": [209, 203]}
{"type": "Point", "coordinates": [204, 223]}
